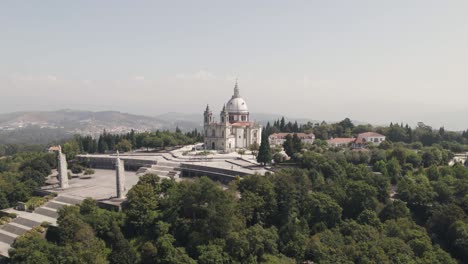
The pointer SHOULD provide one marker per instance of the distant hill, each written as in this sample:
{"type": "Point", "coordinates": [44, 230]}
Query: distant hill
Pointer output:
{"type": "Point", "coordinates": [42, 127]}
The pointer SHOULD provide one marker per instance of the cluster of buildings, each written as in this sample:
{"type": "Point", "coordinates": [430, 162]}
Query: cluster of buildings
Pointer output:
{"type": "Point", "coordinates": [234, 130]}
{"type": "Point", "coordinates": [363, 139]}
{"type": "Point", "coordinates": [277, 139]}
{"type": "Point", "coordinates": [358, 142]}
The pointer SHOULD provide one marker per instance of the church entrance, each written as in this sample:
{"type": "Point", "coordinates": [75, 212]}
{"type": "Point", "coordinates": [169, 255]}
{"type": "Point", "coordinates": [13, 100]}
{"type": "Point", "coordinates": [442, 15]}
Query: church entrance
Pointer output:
{"type": "Point", "coordinates": [213, 146]}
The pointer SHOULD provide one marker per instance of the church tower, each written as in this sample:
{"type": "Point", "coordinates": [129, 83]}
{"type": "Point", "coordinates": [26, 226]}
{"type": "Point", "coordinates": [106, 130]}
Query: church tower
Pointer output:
{"type": "Point", "coordinates": [208, 116]}
{"type": "Point", "coordinates": [234, 129]}
{"type": "Point", "coordinates": [224, 116]}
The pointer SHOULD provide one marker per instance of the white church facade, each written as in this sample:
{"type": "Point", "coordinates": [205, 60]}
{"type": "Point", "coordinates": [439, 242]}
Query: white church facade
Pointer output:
{"type": "Point", "coordinates": [234, 129]}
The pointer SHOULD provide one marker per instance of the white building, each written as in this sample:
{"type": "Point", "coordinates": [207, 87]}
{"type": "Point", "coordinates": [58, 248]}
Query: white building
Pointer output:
{"type": "Point", "coordinates": [234, 131]}
{"type": "Point", "coordinates": [368, 137]}
{"type": "Point", "coordinates": [277, 139]}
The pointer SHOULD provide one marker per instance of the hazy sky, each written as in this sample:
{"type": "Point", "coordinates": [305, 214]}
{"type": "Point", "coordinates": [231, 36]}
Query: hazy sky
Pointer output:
{"type": "Point", "coordinates": [376, 61]}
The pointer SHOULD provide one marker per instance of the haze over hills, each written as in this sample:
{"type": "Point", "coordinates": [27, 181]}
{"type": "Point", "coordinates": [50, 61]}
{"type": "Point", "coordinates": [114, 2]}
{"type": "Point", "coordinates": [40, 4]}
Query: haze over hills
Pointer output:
{"type": "Point", "coordinates": [40, 127]}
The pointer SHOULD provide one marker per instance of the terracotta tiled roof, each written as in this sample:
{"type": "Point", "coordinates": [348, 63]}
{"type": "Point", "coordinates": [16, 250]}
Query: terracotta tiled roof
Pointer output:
{"type": "Point", "coordinates": [341, 140]}
{"type": "Point", "coordinates": [54, 148]}
{"type": "Point", "coordinates": [370, 134]}
{"type": "Point", "coordinates": [246, 123]}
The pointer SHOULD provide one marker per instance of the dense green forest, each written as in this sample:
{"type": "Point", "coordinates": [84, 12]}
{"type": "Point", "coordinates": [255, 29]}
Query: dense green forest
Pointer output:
{"type": "Point", "coordinates": [23, 173]}
{"type": "Point", "coordinates": [130, 141]}
{"type": "Point", "coordinates": [333, 209]}
{"type": "Point", "coordinates": [398, 202]}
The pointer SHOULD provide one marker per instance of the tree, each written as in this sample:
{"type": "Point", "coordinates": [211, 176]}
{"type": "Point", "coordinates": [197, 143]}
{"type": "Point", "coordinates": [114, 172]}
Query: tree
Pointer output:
{"type": "Point", "coordinates": [442, 217]}
{"type": "Point", "coordinates": [254, 148]}
{"type": "Point", "coordinates": [71, 149]}
{"type": "Point", "coordinates": [288, 145]}
{"type": "Point", "coordinates": [79, 237]}
{"type": "Point", "coordinates": [142, 207]}
{"type": "Point", "coordinates": [282, 124]}
{"type": "Point", "coordinates": [369, 217]}
{"type": "Point", "coordinates": [213, 253]}
{"type": "Point", "coordinates": [393, 210]}
{"type": "Point", "coordinates": [31, 248]}
{"type": "Point", "coordinates": [264, 153]}
{"type": "Point", "coordinates": [458, 237]}
{"type": "Point", "coordinates": [204, 210]}
{"type": "Point", "coordinates": [394, 170]}
{"type": "Point", "coordinates": [249, 245]}
{"type": "Point", "coordinates": [359, 196]}
{"type": "Point", "coordinates": [415, 190]}
{"type": "Point", "coordinates": [3, 201]}
{"type": "Point", "coordinates": [124, 145]}
{"type": "Point", "coordinates": [258, 203]}
{"type": "Point", "coordinates": [122, 251]}
{"type": "Point", "coordinates": [296, 143]}
{"type": "Point", "coordinates": [320, 209]}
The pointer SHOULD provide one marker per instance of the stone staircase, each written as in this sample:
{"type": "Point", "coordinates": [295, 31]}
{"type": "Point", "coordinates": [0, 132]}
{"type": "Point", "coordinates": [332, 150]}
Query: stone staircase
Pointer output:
{"type": "Point", "coordinates": [164, 169]}
{"type": "Point", "coordinates": [26, 221]}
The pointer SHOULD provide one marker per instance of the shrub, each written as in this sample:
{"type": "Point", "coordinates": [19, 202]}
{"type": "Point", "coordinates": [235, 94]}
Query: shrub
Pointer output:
{"type": "Point", "coordinates": [5, 220]}
{"type": "Point", "coordinates": [76, 168]}
{"type": "Point", "coordinates": [12, 215]}
{"type": "Point", "coordinates": [88, 172]}
{"type": "Point", "coordinates": [45, 224]}
{"type": "Point", "coordinates": [34, 203]}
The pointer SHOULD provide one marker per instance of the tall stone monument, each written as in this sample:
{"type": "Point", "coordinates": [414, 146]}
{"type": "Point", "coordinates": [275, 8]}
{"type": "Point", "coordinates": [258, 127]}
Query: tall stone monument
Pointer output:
{"type": "Point", "coordinates": [62, 169]}
{"type": "Point", "coordinates": [120, 177]}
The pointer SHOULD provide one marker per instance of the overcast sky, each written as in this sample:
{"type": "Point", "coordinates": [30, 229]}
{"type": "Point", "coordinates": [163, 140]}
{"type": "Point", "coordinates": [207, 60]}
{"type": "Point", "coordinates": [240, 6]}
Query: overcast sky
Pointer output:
{"type": "Point", "coordinates": [375, 61]}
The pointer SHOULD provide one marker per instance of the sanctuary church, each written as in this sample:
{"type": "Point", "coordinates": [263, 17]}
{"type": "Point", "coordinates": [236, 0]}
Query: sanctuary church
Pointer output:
{"type": "Point", "coordinates": [234, 131]}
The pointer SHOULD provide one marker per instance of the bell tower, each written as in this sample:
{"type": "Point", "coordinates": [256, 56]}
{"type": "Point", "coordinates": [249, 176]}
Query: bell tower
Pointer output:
{"type": "Point", "coordinates": [208, 116]}
{"type": "Point", "coordinates": [224, 116]}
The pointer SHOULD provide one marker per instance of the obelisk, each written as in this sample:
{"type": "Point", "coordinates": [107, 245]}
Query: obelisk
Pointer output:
{"type": "Point", "coordinates": [120, 177]}
{"type": "Point", "coordinates": [62, 169]}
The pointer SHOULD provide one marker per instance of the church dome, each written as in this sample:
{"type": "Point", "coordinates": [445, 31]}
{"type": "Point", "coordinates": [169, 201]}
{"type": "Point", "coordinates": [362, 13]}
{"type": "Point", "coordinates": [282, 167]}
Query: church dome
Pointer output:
{"type": "Point", "coordinates": [237, 104]}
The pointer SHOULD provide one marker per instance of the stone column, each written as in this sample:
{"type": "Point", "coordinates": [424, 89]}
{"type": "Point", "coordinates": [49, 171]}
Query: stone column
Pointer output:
{"type": "Point", "coordinates": [120, 177]}
{"type": "Point", "coordinates": [62, 169]}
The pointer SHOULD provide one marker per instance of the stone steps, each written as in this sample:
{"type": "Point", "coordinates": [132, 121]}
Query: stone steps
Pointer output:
{"type": "Point", "coordinates": [67, 200]}
{"type": "Point", "coordinates": [6, 239]}
{"type": "Point", "coordinates": [27, 221]}
{"type": "Point", "coordinates": [47, 212]}
{"type": "Point", "coordinates": [54, 205]}
{"type": "Point", "coordinates": [2, 247]}
{"type": "Point", "coordinates": [14, 229]}
{"type": "Point", "coordinates": [163, 169]}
